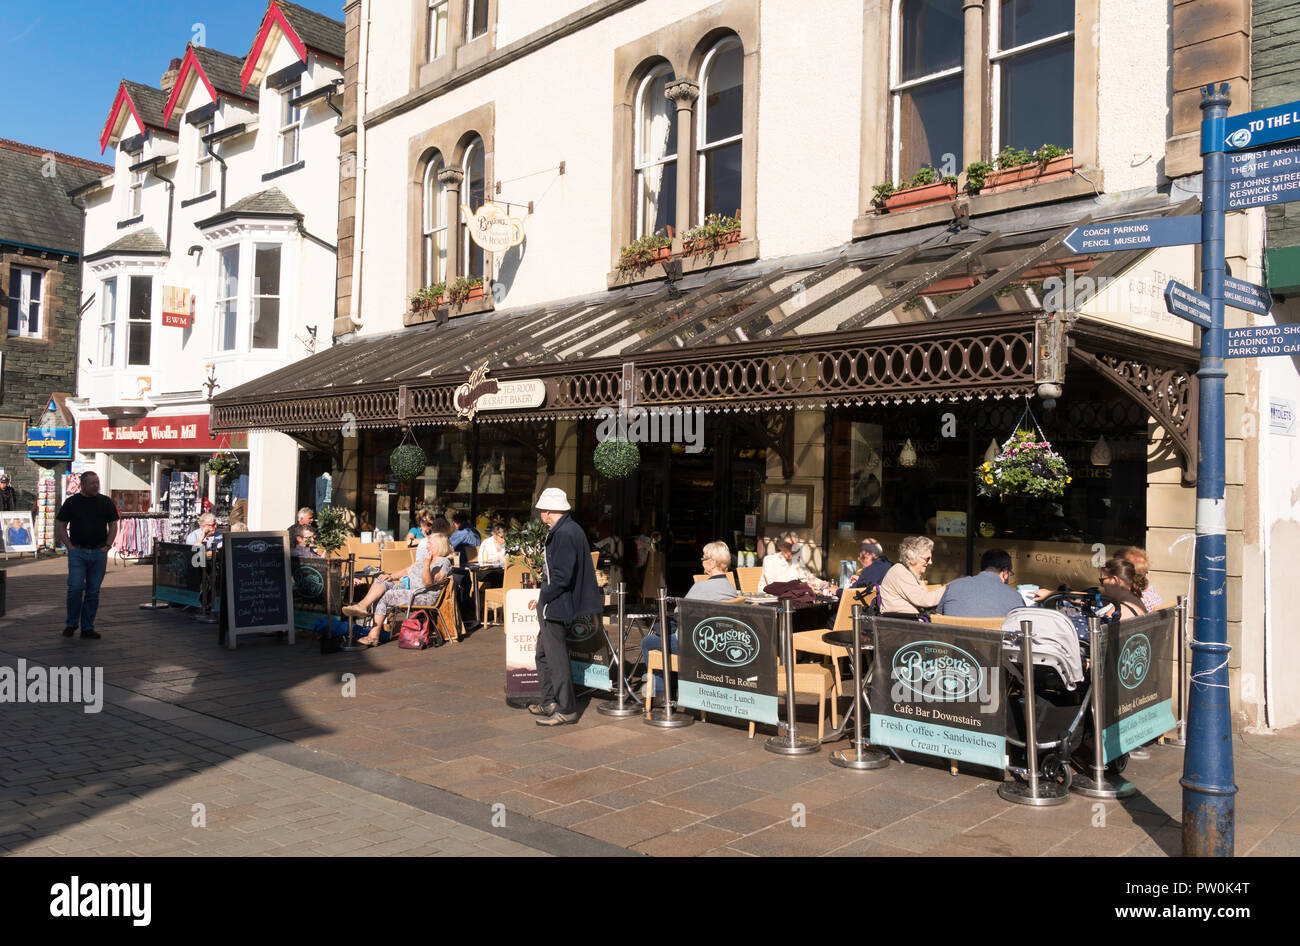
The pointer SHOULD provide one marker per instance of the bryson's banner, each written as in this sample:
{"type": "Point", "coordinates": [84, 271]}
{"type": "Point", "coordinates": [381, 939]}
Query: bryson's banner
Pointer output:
{"type": "Point", "coordinates": [590, 657]}
{"type": "Point", "coordinates": [1138, 698]}
{"type": "Point", "coordinates": [727, 659]}
{"type": "Point", "coordinates": [938, 690]}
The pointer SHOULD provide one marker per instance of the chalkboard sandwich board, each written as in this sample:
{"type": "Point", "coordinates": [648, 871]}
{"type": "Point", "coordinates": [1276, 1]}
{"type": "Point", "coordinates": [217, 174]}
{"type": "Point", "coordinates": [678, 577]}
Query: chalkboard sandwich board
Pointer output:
{"type": "Point", "coordinates": [259, 588]}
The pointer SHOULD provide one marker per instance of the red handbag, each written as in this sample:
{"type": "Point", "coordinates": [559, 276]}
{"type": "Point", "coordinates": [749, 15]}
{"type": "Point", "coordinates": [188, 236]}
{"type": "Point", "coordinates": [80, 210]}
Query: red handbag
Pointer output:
{"type": "Point", "coordinates": [414, 632]}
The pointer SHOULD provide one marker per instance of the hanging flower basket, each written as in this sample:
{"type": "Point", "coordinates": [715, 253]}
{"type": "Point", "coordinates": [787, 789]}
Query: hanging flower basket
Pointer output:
{"type": "Point", "coordinates": [616, 459]}
{"type": "Point", "coordinates": [223, 465]}
{"type": "Point", "coordinates": [1026, 466]}
{"type": "Point", "coordinates": [407, 461]}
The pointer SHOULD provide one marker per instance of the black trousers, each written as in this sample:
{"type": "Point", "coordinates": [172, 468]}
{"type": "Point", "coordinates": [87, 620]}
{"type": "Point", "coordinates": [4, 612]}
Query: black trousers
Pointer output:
{"type": "Point", "coordinates": [465, 596]}
{"type": "Point", "coordinates": [553, 672]}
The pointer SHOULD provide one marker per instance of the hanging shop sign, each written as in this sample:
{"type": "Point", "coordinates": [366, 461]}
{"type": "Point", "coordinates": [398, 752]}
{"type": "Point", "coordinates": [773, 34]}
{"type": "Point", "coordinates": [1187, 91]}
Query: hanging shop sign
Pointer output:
{"type": "Point", "coordinates": [727, 659]}
{"type": "Point", "coordinates": [481, 393]}
{"type": "Point", "coordinates": [492, 228]}
{"type": "Point", "coordinates": [177, 306]}
{"type": "Point", "coordinates": [49, 443]}
{"type": "Point", "coordinates": [160, 432]}
{"type": "Point", "coordinates": [941, 695]}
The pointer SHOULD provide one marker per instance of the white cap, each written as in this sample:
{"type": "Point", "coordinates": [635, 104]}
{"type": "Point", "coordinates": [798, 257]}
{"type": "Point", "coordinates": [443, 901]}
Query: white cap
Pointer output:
{"type": "Point", "coordinates": [553, 500]}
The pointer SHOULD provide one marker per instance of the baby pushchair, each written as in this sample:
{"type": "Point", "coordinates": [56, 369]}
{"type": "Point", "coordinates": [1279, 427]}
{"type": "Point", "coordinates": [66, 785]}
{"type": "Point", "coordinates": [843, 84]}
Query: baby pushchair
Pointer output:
{"type": "Point", "coordinates": [1061, 693]}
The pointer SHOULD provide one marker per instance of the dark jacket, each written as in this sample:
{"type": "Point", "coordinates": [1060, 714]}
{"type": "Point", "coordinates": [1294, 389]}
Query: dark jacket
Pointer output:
{"type": "Point", "coordinates": [873, 574]}
{"type": "Point", "coordinates": [8, 499]}
{"type": "Point", "coordinates": [570, 589]}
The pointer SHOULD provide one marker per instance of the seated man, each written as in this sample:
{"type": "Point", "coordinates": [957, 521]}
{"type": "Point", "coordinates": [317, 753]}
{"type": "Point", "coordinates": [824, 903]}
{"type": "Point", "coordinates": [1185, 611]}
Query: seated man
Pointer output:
{"type": "Point", "coordinates": [872, 565]}
{"type": "Point", "coordinates": [302, 542]}
{"type": "Point", "coordinates": [780, 565]}
{"type": "Point", "coordinates": [986, 595]}
{"type": "Point", "coordinates": [716, 587]}
{"type": "Point", "coordinates": [306, 516]}
{"type": "Point", "coordinates": [463, 538]}
{"type": "Point", "coordinates": [206, 534]}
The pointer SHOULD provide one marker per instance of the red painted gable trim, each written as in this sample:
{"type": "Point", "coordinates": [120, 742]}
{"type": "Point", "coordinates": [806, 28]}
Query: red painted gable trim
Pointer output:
{"type": "Point", "coordinates": [274, 17]}
{"type": "Point", "coordinates": [112, 116]}
{"type": "Point", "coordinates": [190, 61]}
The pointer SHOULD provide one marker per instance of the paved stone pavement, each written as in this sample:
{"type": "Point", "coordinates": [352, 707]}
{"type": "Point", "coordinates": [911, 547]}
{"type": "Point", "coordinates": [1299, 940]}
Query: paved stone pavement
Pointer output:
{"type": "Point", "coordinates": [414, 749]}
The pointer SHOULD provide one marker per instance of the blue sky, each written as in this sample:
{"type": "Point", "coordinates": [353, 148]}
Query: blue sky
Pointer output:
{"type": "Point", "coordinates": [61, 60]}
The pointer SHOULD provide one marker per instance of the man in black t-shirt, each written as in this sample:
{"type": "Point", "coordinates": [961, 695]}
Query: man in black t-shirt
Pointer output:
{"type": "Point", "coordinates": [86, 525]}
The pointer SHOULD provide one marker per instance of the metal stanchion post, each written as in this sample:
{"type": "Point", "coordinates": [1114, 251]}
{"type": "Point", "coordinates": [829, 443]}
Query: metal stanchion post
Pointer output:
{"type": "Point", "coordinates": [664, 717]}
{"type": "Point", "coordinates": [1180, 704]}
{"type": "Point", "coordinates": [1035, 791]}
{"type": "Point", "coordinates": [1099, 784]}
{"type": "Point", "coordinates": [622, 706]}
{"type": "Point", "coordinates": [863, 756]}
{"type": "Point", "coordinates": [791, 743]}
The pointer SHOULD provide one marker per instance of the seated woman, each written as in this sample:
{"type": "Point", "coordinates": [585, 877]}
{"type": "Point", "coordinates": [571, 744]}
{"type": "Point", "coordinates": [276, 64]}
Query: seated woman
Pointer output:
{"type": "Point", "coordinates": [1142, 565]}
{"type": "Point", "coordinates": [426, 577]}
{"type": "Point", "coordinates": [493, 549]}
{"type": "Point", "coordinates": [716, 560]}
{"type": "Point", "coordinates": [1119, 580]}
{"type": "Point", "coordinates": [903, 591]}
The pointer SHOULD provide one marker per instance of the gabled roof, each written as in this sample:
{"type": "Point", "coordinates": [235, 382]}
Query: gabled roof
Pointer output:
{"type": "Point", "coordinates": [35, 210]}
{"type": "Point", "coordinates": [142, 242]}
{"type": "Point", "coordinates": [145, 103]}
{"type": "Point", "coordinates": [268, 203]}
{"type": "Point", "coordinates": [218, 71]}
{"type": "Point", "coordinates": [304, 29]}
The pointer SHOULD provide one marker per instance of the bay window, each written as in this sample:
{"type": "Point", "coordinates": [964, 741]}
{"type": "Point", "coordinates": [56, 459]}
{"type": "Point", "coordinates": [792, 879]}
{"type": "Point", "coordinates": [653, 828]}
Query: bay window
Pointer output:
{"type": "Point", "coordinates": [228, 298]}
{"type": "Point", "coordinates": [266, 296]}
{"type": "Point", "coordinates": [926, 87]}
{"type": "Point", "coordinates": [25, 302]}
{"type": "Point", "coordinates": [1032, 57]}
{"type": "Point", "coordinates": [108, 323]}
{"type": "Point", "coordinates": [721, 117]}
{"type": "Point", "coordinates": [656, 154]}
{"type": "Point", "coordinates": [139, 320]}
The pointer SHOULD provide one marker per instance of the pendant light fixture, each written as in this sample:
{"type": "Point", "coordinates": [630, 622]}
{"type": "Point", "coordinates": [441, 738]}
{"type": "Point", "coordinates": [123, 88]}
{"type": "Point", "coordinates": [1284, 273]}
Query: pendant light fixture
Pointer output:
{"type": "Point", "coordinates": [991, 453]}
{"type": "Point", "coordinates": [1101, 452]}
{"type": "Point", "coordinates": [907, 456]}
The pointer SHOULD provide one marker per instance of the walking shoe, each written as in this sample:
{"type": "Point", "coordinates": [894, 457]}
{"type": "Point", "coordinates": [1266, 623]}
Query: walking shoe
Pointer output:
{"type": "Point", "coordinates": [69, 631]}
{"type": "Point", "coordinates": [559, 719]}
{"type": "Point", "coordinates": [355, 611]}
{"type": "Point", "coordinates": [92, 635]}
{"type": "Point", "coordinates": [542, 709]}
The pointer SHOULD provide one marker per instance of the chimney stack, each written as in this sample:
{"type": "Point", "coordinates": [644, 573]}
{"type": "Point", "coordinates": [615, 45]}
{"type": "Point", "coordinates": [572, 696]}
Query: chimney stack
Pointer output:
{"type": "Point", "coordinates": [169, 77]}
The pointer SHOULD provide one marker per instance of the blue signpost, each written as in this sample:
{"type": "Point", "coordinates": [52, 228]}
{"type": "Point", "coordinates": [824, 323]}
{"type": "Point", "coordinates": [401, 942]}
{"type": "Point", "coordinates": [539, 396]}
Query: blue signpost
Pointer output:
{"type": "Point", "coordinates": [1254, 129]}
{"type": "Point", "coordinates": [1261, 341]}
{"type": "Point", "coordinates": [1247, 296]}
{"type": "Point", "coordinates": [1209, 802]}
{"type": "Point", "coordinates": [1266, 176]}
{"type": "Point", "coordinates": [1134, 234]}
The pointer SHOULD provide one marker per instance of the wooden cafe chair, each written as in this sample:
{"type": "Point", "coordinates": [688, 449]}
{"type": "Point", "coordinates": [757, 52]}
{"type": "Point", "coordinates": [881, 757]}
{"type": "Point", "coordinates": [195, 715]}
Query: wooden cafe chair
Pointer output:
{"type": "Point", "coordinates": [749, 577]}
{"type": "Point", "coordinates": [494, 599]}
{"type": "Point", "coordinates": [810, 642]}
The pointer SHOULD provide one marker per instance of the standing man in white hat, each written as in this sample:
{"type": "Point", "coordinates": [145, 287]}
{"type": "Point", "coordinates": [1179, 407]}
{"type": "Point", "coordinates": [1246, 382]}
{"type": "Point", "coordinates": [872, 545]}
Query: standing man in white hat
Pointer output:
{"type": "Point", "coordinates": [569, 591]}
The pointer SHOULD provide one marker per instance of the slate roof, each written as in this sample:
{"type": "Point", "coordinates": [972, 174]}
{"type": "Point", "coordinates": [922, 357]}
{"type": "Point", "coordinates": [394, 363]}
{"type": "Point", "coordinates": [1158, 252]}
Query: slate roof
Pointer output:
{"type": "Point", "coordinates": [267, 203]}
{"type": "Point", "coordinates": [222, 70]}
{"type": "Point", "coordinates": [315, 29]}
{"type": "Point", "coordinates": [142, 242]}
{"type": "Point", "coordinates": [34, 206]}
{"type": "Point", "coordinates": [150, 103]}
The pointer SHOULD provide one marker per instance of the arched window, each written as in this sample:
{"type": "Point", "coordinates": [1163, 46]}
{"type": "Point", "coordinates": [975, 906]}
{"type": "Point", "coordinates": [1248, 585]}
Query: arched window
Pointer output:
{"type": "Point", "coordinates": [926, 86]}
{"type": "Point", "coordinates": [656, 154]}
{"type": "Point", "coordinates": [473, 194]}
{"type": "Point", "coordinates": [434, 245]}
{"type": "Point", "coordinates": [721, 119]}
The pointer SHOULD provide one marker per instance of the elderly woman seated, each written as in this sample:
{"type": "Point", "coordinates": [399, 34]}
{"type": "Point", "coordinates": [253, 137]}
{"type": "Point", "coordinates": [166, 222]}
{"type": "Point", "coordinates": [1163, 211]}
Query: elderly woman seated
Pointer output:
{"type": "Point", "coordinates": [903, 591]}
{"type": "Point", "coordinates": [716, 560]}
{"type": "Point", "coordinates": [423, 580]}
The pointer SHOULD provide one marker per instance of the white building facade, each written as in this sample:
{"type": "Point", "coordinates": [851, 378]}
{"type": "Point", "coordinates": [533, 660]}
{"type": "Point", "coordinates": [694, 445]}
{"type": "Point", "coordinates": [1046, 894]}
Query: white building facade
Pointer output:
{"type": "Point", "coordinates": [210, 261]}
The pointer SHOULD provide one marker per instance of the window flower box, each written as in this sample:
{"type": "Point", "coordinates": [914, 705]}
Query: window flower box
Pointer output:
{"type": "Point", "coordinates": [923, 196]}
{"type": "Point", "coordinates": [465, 289]}
{"type": "Point", "coordinates": [1032, 173]}
{"type": "Point", "coordinates": [716, 233]}
{"type": "Point", "coordinates": [428, 298]}
{"type": "Point", "coordinates": [644, 252]}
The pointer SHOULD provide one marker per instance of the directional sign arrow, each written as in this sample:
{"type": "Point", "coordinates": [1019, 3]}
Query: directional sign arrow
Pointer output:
{"type": "Point", "coordinates": [1264, 176]}
{"type": "Point", "coordinates": [1262, 127]}
{"type": "Point", "coordinates": [1263, 340]}
{"type": "Point", "coordinates": [1134, 234]}
{"type": "Point", "coordinates": [1187, 304]}
{"type": "Point", "coordinates": [1246, 295]}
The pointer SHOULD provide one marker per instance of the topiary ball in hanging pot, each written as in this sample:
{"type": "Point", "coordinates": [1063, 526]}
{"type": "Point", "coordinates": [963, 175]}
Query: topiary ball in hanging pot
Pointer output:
{"type": "Point", "coordinates": [407, 461]}
{"type": "Point", "coordinates": [616, 459]}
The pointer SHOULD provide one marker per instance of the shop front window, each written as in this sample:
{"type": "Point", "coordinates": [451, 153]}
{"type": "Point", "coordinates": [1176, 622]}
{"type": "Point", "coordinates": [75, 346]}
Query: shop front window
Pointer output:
{"type": "Point", "coordinates": [894, 473]}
